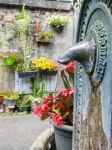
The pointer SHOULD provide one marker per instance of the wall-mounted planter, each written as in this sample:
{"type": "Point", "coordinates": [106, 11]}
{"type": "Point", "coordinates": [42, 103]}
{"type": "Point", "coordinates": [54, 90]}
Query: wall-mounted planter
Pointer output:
{"type": "Point", "coordinates": [23, 85]}
{"type": "Point", "coordinates": [44, 42]}
{"type": "Point", "coordinates": [29, 74]}
{"type": "Point", "coordinates": [48, 72]}
{"type": "Point", "coordinates": [50, 77]}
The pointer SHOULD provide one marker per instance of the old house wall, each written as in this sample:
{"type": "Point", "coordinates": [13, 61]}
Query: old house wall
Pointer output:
{"type": "Point", "coordinates": [60, 43]}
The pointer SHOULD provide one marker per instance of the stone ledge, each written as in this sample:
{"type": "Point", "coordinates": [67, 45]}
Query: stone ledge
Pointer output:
{"type": "Point", "coordinates": [43, 141]}
{"type": "Point", "coordinates": [43, 4]}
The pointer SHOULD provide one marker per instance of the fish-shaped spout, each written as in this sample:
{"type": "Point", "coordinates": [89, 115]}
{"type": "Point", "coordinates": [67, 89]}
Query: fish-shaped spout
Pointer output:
{"type": "Point", "coordinates": [83, 52]}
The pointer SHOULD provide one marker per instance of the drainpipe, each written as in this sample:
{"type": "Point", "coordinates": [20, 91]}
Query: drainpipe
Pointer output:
{"type": "Point", "coordinates": [75, 22]}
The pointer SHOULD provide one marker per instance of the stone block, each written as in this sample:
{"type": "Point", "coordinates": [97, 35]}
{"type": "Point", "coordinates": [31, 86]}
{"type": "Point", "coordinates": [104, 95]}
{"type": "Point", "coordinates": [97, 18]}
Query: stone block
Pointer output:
{"type": "Point", "coordinates": [8, 18]}
{"type": "Point", "coordinates": [44, 4]}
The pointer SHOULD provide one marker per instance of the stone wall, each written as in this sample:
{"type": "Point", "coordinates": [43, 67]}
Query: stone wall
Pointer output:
{"type": "Point", "coordinates": [60, 43]}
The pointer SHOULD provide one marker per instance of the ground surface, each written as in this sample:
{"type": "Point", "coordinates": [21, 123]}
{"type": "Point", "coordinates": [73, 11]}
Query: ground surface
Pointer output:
{"type": "Point", "coordinates": [19, 132]}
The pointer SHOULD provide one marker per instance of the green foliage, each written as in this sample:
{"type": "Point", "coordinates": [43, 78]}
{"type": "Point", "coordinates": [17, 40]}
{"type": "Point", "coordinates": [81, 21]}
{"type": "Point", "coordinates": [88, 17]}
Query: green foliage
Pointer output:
{"type": "Point", "coordinates": [45, 35]}
{"type": "Point", "coordinates": [9, 61]}
{"type": "Point", "coordinates": [74, 1]}
{"type": "Point", "coordinates": [10, 95]}
{"type": "Point", "coordinates": [21, 67]}
{"type": "Point", "coordinates": [41, 90]}
{"type": "Point", "coordinates": [22, 22]}
{"type": "Point", "coordinates": [21, 26]}
{"type": "Point", "coordinates": [59, 21]}
{"type": "Point", "coordinates": [25, 101]}
{"type": "Point", "coordinates": [38, 89]}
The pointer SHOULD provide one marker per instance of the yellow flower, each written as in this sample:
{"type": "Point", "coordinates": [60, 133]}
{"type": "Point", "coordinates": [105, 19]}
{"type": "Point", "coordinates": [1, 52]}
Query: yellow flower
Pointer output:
{"type": "Point", "coordinates": [43, 63]}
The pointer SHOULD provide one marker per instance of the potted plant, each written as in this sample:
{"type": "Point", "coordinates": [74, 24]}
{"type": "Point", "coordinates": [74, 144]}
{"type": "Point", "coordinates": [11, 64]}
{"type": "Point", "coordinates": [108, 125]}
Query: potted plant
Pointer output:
{"type": "Point", "coordinates": [24, 103]}
{"type": "Point", "coordinates": [58, 22]}
{"type": "Point", "coordinates": [10, 58]}
{"type": "Point", "coordinates": [60, 109]}
{"type": "Point", "coordinates": [29, 72]}
{"type": "Point", "coordinates": [10, 98]}
{"type": "Point", "coordinates": [48, 70]}
{"type": "Point", "coordinates": [22, 32]}
{"type": "Point", "coordinates": [45, 65]}
{"type": "Point", "coordinates": [44, 37]}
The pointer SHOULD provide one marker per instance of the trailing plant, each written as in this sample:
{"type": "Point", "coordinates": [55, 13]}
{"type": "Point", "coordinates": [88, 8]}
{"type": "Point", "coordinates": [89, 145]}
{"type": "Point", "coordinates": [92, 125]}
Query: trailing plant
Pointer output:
{"type": "Point", "coordinates": [21, 67]}
{"type": "Point", "coordinates": [58, 21]}
{"type": "Point", "coordinates": [21, 26]}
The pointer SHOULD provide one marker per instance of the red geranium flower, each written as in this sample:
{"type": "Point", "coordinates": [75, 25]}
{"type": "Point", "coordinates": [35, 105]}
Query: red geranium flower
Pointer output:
{"type": "Point", "coordinates": [70, 67]}
{"type": "Point", "coordinates": [64, 94]}
{"type": "Point", "coordinates": [48, 99]}
{"type": "Point", "coordinates": [37, 110]}
{"type": "Point", "coordinates": [57, 119]}
{"type": "Point", "coordinates": [59, 105]}
{"type": "Point", "coordinates": [45, 107]}
{"type": "Point", "coordinates": [71, 90]}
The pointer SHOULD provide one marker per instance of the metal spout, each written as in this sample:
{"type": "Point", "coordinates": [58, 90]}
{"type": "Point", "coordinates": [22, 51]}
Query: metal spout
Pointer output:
{"type": "Point", "coordinates": [83, 52]}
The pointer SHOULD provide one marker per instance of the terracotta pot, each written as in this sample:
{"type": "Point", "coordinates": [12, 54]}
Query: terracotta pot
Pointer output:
{"type": "Point", "coordinates": [1, 99]}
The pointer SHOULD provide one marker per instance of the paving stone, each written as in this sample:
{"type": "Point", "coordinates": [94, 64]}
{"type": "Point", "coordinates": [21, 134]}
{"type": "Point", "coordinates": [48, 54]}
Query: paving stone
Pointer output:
{"type": "Point", "coordinates": [19, 132]}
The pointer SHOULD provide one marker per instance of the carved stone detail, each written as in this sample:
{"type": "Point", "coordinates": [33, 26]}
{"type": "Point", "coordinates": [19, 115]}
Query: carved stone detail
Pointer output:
{"type": "Point", "coordinates": [97, 30]}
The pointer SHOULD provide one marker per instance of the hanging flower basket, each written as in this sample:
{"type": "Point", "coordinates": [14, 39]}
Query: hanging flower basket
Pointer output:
{"type": "Point", "coordinates": [28, 74]}
{"type": "Point", "coordinates": [58, 22]}
{"type": "Point", "coordinates": [58, 29]}
{"type": "Point", "coordinates": [44, 42]}
{"type": "Point", "coordinates": [44, 38]}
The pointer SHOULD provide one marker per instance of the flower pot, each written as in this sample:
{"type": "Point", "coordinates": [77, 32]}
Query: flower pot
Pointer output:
{"type": "Point", "coordinates": [23, 108]}
{"type": "Point", "coordinates": [9, 102]}
{"type": "Point", "coordinates": [63, 137]}
{"type": "Point", "coordinates": [29, 74]}
{"type": "Point", "coordinates": [1, 99]}
{"type": "Point", "coordinates": [58, 29]}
